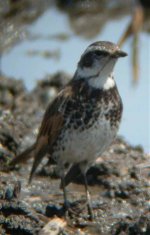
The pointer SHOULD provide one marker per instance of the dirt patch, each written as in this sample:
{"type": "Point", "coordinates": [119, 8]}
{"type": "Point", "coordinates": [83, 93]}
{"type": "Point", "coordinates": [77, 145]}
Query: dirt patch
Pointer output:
{"type": "Point", "coordinates": [119, 187]}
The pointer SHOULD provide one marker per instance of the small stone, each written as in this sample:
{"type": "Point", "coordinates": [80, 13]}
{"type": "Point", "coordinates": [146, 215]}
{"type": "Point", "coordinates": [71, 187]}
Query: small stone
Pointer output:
{"type": "Point", "coordinates": [9, 193]}
{"type": "Point", "coordinates": [52, 210]}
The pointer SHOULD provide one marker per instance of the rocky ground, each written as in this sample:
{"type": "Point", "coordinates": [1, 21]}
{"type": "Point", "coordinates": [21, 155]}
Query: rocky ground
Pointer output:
{"type": "Point", "coordinates": [118, 183]}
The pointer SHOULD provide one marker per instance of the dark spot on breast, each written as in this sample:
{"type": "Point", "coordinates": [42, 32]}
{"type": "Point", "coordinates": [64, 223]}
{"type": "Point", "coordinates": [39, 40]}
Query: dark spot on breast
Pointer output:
{"type": "Point", "coordinates": [78, 115]}
{"type": "Point", "coordinates": [88, 116]}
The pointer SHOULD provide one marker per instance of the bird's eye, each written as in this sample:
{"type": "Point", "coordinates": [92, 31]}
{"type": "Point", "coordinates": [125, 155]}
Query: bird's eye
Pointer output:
{"type": "Point", "coordinates": [101, 53]}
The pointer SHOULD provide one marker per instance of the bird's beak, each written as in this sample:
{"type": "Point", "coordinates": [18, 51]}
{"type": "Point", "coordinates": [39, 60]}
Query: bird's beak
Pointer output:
{"type": "Point", "coordinates": [118, 54]}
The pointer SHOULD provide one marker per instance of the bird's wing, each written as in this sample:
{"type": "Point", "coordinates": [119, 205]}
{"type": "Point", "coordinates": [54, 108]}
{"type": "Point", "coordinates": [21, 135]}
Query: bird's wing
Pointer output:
{"type": "Point", "coordinates": [53, 119]}
{"type": "Point", "coordinates": [51, 126]}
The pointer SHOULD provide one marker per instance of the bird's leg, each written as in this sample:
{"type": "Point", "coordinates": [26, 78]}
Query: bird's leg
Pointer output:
{"type": "Point", "coordinates": [67, 206]}
{"type": "Point", "coordinates": [61, 170]}
{"type": "Point", "coordinates": [88, 198]}
{"type": "Point", "coordinates": [66, 203]}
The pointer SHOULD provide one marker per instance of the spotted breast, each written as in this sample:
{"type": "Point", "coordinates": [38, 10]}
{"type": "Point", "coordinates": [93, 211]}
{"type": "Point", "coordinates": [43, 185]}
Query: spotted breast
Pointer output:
{"type": "Point", "coordinates": [91, 121]}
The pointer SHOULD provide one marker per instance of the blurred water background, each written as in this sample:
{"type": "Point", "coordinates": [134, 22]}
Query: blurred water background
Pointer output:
{"type": "Point", "coordinates": [46, 37]}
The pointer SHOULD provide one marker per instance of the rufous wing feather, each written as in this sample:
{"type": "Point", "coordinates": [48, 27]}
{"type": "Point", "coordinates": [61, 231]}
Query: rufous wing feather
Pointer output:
{"type": "Point", "coordinates": [45, 141]}
{"type": "Point", "coordinates": [50, 128]}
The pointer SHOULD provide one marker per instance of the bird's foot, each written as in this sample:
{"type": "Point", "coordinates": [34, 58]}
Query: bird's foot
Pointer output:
{"type": "Point", "coordinates": [90, 212]}
{"type": "Point", "coordinates": [70, 210]}
{"type": "Point", "coordinates": [73, 210]}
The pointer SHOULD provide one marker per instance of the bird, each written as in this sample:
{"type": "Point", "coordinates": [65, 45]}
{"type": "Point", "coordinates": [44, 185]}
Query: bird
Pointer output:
{"type": "Point", "coordinates": [83, 120]}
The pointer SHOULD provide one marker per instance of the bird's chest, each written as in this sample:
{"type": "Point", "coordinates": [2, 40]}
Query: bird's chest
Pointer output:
{"type": "Point", "coordinates": [90, 127]}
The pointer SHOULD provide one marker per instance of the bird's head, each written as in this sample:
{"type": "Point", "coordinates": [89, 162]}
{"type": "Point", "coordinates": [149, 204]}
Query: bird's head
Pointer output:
{"type": "Point", "coordinates": [97, 62]}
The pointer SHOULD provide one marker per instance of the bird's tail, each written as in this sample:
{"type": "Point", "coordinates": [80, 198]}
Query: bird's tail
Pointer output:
{"type": "Point", "coordinates": [35, 152]}
{"type": "Point", "coordinates": [39, 153]}
{"type": "Point", "coordinates": [24, 156]}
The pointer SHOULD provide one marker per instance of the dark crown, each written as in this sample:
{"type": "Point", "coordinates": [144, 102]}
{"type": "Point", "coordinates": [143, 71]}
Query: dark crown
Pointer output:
{"type": "Point", "coordinates": [100, 49]}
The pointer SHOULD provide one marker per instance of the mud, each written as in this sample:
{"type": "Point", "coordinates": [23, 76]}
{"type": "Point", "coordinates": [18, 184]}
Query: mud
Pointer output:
{"type": "Point", "coordinates": [118, 183]}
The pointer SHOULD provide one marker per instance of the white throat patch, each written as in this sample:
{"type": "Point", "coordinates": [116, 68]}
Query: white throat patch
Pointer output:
{"type": "Point", "coordinates": [99, 75]}
{"type": "Point", "coordinates": [110, 83]}
{"type": "Point", "coordinates": [97, 81]}
{"type": "Point", "coordinates": [102, 82]}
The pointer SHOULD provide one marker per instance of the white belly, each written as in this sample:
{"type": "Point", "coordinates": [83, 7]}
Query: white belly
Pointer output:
{"type": "Point", "coordinates": [87, 144]}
